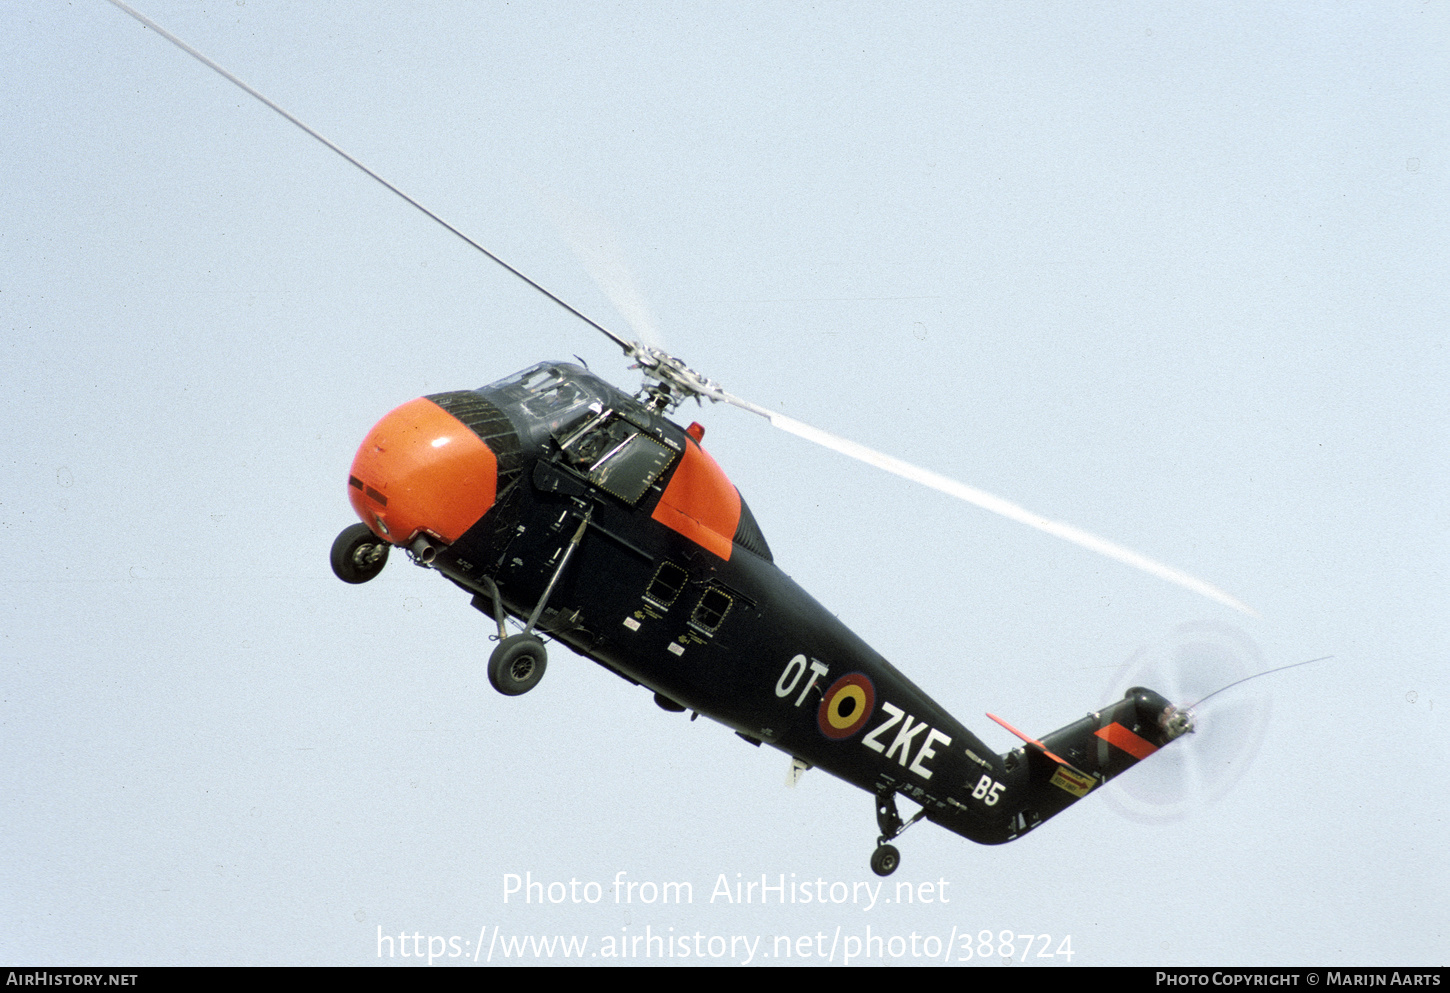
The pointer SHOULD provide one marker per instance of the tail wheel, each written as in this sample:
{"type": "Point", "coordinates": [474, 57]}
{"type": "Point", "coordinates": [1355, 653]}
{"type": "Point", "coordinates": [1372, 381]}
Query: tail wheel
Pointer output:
{"type": "Point", "coordinates": [358, 555]}
{"type": "Point", "coordinates": [885, 860]}
{"type": "Point", "coordinates": [517, 664]}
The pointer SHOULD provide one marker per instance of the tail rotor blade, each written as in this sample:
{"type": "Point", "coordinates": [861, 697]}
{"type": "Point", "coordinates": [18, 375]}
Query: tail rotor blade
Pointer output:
{"type": "Point", "coordinates": [1199, 768]}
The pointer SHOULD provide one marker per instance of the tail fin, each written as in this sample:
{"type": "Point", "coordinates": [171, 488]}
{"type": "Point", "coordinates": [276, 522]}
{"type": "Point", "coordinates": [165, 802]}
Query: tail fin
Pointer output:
{"type": "Point", "coordinates": [1069, 763]}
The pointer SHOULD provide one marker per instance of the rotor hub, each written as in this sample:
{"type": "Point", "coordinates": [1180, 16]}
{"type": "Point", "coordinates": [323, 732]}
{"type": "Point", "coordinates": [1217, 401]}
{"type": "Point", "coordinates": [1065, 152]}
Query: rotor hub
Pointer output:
{"type": "Point", "coordinates": [673, 380]}
{"type": "Point", "coordinates": [1177, 721]}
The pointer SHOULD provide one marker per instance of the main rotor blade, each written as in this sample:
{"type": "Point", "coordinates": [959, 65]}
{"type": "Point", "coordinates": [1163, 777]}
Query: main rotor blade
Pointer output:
{"type": "Point", "coordinates": [695, 384]}
{"type": "Point", "coordinates": [598, 251]}
{"type": "Point", "coordinates": [629, 347]}
{"type": "Point", "coordinates": [987, 501]}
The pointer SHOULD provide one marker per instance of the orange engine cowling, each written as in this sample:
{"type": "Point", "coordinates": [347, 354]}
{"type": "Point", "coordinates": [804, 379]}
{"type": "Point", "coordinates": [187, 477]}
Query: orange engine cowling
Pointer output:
{"type": "Point", "coordinates": [421, 470]}
{"type": "Point", "coordinates": [700, 502]}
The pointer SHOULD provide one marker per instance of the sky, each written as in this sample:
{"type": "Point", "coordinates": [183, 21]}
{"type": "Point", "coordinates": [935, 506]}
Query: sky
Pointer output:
{"type": "Point", "coordinates": [1174, 274]}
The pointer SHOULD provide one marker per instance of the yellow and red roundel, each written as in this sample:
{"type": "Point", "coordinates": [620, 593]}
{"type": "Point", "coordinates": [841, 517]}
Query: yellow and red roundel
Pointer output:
{"type": "Point", "coordinates": [849, 703]}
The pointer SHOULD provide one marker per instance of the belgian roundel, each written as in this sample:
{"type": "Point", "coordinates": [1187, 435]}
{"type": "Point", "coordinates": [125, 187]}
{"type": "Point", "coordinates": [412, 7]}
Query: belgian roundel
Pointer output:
{"type": "Point", "coordinates": [847, 706]}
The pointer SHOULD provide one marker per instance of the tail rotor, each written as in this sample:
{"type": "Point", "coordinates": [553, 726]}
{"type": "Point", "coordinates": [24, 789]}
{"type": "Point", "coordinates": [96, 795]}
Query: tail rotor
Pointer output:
{"type": "Point", "coordinates": [1190, 667]}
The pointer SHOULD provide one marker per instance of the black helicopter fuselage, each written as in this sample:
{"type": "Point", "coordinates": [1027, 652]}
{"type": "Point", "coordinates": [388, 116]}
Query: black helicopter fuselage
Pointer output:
{"type": "Point", "coordinates": [555, 498]}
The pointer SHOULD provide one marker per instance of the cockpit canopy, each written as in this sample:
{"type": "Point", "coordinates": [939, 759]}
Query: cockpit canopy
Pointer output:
{"type": "Point", "coordinates": [621, 446]}
{"type": "Point", "coordinates": [617, 442]}
{"type": "Point", "coordinates": [547, 398]}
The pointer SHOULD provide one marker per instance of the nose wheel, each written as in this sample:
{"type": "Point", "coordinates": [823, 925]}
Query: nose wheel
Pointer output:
{"type": "Point", "coordinates": [358, 555]}
{"type": "Point", "coordinates": [517, 664]}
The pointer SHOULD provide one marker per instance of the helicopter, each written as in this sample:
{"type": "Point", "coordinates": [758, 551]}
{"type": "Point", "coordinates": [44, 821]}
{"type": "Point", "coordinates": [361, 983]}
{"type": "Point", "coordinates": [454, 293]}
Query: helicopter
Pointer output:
{"type": "Point", "coordinates": [559, 501]}
{"type": "Point", "coordinates": [576, 511]}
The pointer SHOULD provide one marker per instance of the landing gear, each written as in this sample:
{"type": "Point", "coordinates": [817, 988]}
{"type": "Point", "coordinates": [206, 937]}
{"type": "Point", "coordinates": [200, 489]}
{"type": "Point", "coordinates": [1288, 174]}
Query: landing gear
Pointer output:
{"type": "Point", "coordinates": [358, 555]}
{"type": "Point", "coordinates": [517, 664]}
{"type": "Point", "coordinates": [886, 858]}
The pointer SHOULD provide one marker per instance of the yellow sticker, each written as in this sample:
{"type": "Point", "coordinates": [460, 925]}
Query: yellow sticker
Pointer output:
{"type": "Point", "coordinates": [1075, 783]}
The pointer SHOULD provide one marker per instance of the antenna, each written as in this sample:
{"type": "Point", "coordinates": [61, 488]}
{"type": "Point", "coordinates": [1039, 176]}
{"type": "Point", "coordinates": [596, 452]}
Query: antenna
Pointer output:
{"type": "Point", "coordinates": [1266, 672]}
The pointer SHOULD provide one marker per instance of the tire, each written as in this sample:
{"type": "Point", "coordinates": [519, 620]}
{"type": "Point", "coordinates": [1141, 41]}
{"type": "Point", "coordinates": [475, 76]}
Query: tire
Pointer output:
{"type": "Point", "coordinates": [358, 555]}
{"type": "Point", "coordinates": [517, 664]}
{"type": "Point", "coordinates": [885, 860]}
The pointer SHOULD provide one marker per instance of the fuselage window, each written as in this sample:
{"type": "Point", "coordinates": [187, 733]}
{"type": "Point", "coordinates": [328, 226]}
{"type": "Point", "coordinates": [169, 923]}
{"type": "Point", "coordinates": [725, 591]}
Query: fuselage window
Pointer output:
{"type": "Point", "coordinates": [668, 581]}
{"type": "Point", "coordinates": [710, 612]}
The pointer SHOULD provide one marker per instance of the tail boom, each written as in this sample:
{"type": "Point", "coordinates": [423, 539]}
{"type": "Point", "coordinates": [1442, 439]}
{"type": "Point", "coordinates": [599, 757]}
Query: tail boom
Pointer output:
{"type": "Point", "coordinates": [1042, 778]}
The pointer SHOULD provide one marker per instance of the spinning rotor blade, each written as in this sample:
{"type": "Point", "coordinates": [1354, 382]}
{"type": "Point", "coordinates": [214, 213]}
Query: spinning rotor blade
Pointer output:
{"type": "Point", "coordinates": [987, 501]}
{"type": "Point", "coordinates": [679, 381]}
{"type": "Point", "coordinates": [629, 347]}
{"type": "Point", "coordinates": [1193, 667]}
{"type": "Point", "coordinates": [599, 253]}
{"type": "Point", "coordinates": [1199, 768]}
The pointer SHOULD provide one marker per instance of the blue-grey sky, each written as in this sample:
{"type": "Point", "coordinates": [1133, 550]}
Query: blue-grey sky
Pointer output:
{"type": "Point", "coordinates": [1174, 274]}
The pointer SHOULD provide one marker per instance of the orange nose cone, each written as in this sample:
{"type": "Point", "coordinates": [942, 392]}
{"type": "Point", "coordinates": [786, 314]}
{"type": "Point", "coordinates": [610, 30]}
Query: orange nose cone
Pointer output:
{"type": "Point", "coordinates": [421, 469]}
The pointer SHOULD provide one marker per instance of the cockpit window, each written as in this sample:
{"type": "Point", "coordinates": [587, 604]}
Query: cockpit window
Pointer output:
{"type": "Point", "coordinates": [557, 402]}
{"type": "Point", "coordinates": [604, 435]}
{"type": "Point", "coordinates": [617, 455]}
{"type": "Point", "coordinates": [536, 379]}
{"type": "Point", "coordinates": [547, 394]}
{"type": "Point", "coordinates": [631, 467]}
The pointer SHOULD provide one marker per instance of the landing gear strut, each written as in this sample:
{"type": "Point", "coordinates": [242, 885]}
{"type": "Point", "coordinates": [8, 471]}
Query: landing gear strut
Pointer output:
{"type": "Point", "coordinates": [886, 858]}
{"type": "Point", "coordinates": [518, 663]}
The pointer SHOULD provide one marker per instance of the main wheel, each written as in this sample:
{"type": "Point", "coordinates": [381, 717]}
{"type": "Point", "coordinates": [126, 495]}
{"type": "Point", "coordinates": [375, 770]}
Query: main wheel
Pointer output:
{"type": "Point", "coordinates": [358, 555]}
{"type": "Point", "coordinates": [517, 664]}
{"type": "Point", "coordinates": [885, 860]}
